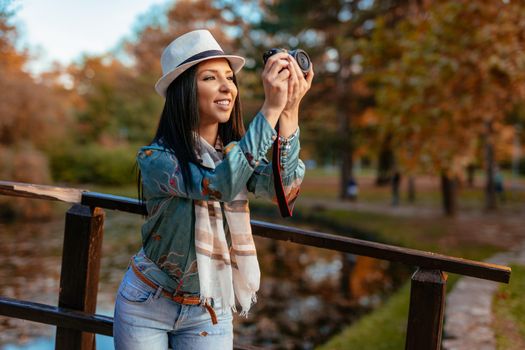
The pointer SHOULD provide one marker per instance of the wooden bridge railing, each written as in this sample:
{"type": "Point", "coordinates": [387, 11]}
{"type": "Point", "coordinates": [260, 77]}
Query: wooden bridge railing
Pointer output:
{"type": "Point", "coordinates": [77, 324]}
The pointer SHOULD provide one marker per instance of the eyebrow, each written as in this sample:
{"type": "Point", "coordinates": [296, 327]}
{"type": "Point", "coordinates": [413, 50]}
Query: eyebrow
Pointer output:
{"type": "Point", "coordinates": [214, 71]}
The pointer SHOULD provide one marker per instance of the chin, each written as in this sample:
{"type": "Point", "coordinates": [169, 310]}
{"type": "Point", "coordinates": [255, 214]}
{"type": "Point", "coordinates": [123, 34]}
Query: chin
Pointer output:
{"type": "Point", "coordinates": [224, 118]}
{"type": "Point", "coordinates": [212, 118]}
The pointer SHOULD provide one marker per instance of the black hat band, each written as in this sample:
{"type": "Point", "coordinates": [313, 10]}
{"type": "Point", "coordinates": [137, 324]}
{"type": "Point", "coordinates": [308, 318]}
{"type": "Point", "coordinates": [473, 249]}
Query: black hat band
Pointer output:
{"type": "Point", "coordinates": [204, 54]}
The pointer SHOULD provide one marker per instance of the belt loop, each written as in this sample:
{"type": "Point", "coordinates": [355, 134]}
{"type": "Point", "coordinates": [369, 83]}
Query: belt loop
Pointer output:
{"type": "Point", "coordinates": [158, 292]}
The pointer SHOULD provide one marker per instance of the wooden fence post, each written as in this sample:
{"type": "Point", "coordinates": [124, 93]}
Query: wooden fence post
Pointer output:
{"type": "Point", "coordinates": [425, 317]}
{"type": "Point", "coordinates": [80, 271]}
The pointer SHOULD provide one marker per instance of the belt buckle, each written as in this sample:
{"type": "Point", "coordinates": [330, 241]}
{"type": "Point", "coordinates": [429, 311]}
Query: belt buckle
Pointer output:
{"type": "Point", "coordinates": [175, 296]}
{"type": "Point", "coordinates": [179, 298]}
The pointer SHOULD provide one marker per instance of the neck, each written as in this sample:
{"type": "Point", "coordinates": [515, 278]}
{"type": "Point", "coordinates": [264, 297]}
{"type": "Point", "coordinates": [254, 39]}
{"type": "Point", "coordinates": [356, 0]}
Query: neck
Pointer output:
{"type": "Point", "coordinates": [209, 132]}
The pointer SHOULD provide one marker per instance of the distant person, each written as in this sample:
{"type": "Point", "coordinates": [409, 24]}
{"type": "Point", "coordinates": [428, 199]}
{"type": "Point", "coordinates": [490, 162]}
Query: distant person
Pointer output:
{"type": "Point", "coordinates": [396, 181]}
{"type": "Point", "coordinates": [352, 190]}
{"type": "Point", "coordinates": [498, 185]}
{"type": "Point", "coordinates": [198, 254]}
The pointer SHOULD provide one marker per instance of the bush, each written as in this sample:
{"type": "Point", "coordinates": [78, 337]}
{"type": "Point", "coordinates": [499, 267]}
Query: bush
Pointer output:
{"type": "Point", "coordinates": [24, 163]}
{"type": "Point", "coordinates": [94, 164]}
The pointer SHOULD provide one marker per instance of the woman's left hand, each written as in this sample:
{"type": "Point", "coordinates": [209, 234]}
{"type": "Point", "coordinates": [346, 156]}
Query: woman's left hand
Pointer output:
{"type": "Point", "coordinates": [298, 85]}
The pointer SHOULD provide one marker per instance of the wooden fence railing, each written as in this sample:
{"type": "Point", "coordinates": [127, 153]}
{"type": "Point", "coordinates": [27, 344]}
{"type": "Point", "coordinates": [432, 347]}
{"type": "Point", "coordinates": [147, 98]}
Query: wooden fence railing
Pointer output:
{"type": "Point", "coordinates": [77, 324]}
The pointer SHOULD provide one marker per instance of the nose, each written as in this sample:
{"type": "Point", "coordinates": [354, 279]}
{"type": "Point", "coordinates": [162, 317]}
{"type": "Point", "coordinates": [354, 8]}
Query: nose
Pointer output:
{"type": "Point", "coordinates": [225, 86]}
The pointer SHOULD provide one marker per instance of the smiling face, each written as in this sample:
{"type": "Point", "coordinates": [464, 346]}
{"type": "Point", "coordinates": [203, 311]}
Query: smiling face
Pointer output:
{"type": "Point", "coordinates": [216, 91]}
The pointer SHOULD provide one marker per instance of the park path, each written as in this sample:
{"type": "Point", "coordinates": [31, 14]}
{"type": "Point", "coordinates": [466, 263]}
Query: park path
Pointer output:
{"type": "Point", "coordinates": [468, 314]}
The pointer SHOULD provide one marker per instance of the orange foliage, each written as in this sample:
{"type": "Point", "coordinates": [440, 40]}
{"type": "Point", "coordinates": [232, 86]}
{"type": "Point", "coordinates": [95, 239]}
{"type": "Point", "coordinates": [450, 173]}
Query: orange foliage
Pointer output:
{"type": "Point", "coordinates": [33, 117]}
{"type": "Point", "coordinates": [444, 74]}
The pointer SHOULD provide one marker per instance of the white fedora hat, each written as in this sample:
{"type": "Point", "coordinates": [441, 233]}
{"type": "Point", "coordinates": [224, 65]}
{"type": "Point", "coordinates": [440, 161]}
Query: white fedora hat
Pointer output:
{"type": "Point", "coordinates": [188, 50]}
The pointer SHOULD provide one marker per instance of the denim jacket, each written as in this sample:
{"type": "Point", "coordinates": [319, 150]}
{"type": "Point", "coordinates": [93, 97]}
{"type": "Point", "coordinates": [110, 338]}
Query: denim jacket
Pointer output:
{"type": "Point", "coordinates": [167, 256]}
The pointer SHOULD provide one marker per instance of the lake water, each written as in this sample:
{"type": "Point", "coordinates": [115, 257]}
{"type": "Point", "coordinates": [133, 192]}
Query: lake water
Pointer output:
{"type": "Point", "coordinates": [103, 343]}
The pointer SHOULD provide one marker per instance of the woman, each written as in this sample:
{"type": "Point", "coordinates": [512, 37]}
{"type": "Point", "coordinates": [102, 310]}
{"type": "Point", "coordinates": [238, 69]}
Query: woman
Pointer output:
{"type": "Point", "coordinates": [198, 254]}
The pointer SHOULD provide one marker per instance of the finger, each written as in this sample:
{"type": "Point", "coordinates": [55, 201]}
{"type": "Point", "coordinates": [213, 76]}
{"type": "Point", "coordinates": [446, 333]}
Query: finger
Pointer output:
{"type": "Point", "coordinates": [291, 92]}
{"type": "Point", "coordinates": [293, 81]}
{"type": "Point", "coordinates": [297, 70]}
{"type": "Point", "coordinates": [283, 75]}
{"type": "Point", "coordinates": [281, 56]}
{"type": "Point", "coordinates": [276, 67]}
{"type": "Point", "coordinates": [291, 87]}
{"type": "Point", "coordinates": [276, 57]}
{"type": "Point", "coordinates": [310, 75]}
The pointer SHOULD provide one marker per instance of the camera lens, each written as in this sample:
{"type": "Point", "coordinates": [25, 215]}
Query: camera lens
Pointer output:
{"type": "Point", "coordinates": [302, 59]}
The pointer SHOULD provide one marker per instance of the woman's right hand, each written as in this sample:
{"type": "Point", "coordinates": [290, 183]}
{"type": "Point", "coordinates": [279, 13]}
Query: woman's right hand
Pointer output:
{"type": "Point", "coordinates": [275, 81]}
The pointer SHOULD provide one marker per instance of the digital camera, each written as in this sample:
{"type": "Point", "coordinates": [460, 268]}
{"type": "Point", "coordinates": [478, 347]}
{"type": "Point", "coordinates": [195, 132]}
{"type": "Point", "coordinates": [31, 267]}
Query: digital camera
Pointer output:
{"type": "Point", "coordinates": [300, 56]}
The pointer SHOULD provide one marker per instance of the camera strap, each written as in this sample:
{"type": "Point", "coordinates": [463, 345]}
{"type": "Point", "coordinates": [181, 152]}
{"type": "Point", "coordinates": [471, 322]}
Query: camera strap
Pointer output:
{"type": "Point", "coordinates": [277, 179]}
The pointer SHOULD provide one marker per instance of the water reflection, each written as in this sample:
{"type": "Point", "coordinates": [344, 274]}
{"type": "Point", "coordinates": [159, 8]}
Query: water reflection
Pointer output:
{"type": "Point", "coordinates": [103, 343]}
{"type": "Point", "coordinates": [300, 303]}
{"type": "Point", "coordinates": [322, 270]}
{"type": "Point", "coordinates": [29, 270]}
{"type": "Point", "coordinates": [30, 262]}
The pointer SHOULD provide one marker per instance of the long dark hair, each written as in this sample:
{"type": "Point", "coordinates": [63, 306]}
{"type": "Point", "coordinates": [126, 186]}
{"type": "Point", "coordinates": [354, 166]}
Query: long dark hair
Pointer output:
{"type": "Point", "coordinates": [180, 119]}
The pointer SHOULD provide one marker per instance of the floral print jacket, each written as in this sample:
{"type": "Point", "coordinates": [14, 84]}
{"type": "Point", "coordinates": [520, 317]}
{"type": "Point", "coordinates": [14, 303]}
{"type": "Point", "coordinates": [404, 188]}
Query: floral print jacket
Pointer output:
{"type": "Point", "coordinates": [167, 256]}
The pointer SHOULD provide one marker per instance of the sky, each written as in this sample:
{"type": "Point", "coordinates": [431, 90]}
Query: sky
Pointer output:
{"type": "Point", "coordinates": [62, 30]}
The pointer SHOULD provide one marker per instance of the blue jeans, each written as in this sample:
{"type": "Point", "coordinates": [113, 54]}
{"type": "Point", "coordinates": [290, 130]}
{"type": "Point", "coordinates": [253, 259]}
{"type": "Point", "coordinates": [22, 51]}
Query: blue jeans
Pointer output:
{"type": "Point", "coordinates": [146, 320]}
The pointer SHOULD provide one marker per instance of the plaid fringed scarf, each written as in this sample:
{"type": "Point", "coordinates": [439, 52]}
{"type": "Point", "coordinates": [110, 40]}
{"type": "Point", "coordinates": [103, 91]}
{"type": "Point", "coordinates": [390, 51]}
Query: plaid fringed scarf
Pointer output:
{"type": "Point", "coordinates": [225, 273]}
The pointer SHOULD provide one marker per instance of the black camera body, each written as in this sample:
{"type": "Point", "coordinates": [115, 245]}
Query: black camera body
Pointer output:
{"type": "Point", "coordinates": [300, 56]}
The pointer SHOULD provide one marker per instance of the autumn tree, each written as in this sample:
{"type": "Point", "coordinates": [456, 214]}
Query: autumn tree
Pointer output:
{"type": "Point", "coordinates": [117, 102]}
{"type": "Point", "coordinates": [32, 119]}
{"type": "Point", "coordinates": [107, 105]}
{"type": "Point", "coordinates": [336, 113]}
{"type": "Point", "coordinates": [446, 78]}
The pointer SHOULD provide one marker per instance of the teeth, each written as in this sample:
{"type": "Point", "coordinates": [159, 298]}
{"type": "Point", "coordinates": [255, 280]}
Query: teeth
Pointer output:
{"type": "Point", "coordinates": [223, 102]}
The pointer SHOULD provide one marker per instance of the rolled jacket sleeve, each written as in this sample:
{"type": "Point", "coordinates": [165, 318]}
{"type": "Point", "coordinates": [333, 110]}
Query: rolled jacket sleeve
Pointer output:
{"type": "Point", "coordinates": [261, 182]}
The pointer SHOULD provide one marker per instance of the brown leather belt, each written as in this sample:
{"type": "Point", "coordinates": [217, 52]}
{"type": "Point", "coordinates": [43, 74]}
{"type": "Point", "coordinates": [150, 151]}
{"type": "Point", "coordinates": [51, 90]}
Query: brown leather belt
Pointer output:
{"type": "Point", "coordinates": [177, 297]}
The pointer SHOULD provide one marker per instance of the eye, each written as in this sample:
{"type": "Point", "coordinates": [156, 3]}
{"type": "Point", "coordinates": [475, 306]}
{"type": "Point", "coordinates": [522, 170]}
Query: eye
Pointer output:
{"type": "Point", "coordinates": [208, 77]}
{"type": "Point", "coordinates": [230, 78]}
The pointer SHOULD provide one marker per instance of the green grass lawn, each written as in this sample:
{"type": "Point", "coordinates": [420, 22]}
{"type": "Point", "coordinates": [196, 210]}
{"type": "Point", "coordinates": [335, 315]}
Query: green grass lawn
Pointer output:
{"type": "Point", "coordinates": [383, 329]}
{"type": "Point", "coordinates": [509, 312]}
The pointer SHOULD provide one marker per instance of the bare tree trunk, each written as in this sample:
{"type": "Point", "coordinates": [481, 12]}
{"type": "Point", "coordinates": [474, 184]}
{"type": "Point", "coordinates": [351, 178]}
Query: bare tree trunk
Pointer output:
{"type": "Point", "coordinates": [345, 132]}
{"type": "Point", "coordinates": [490, 186]}
{"type": "Point", "coordinates": [346, 171]}
{"type": "Point", "coordinates": [471, 172]}
{"type": "Point", "coordinates": [411, 189]}
{"type": "Point", "coordinates": [396, 182]}
{"type": "Point", "coordinates": [449, 193]}
{"type": "Point", "coordinates": [386, 162]}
